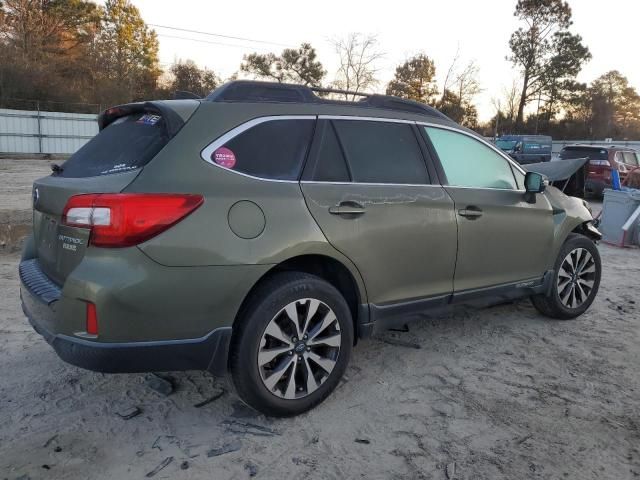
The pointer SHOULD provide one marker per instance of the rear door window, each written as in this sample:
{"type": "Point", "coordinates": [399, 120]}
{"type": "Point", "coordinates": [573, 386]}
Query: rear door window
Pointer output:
{"type": "Point", "coordinates": [128, 143]}
{"type": "Point", "coordinates": [273, 149]}
{"type": "Point", "coordinates": [381, 152]}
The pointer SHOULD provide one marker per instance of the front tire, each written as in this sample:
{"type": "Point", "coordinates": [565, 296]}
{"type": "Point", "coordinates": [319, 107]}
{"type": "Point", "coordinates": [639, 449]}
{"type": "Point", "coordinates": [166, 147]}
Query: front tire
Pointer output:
{"type": "Point", "coordinates": [576, 281]}
{"type": "Point", "coordinates": [291, 344]}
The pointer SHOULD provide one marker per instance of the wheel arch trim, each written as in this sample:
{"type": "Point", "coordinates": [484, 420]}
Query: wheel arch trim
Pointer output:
{"type": "Point", "coordinates": [324, 266]}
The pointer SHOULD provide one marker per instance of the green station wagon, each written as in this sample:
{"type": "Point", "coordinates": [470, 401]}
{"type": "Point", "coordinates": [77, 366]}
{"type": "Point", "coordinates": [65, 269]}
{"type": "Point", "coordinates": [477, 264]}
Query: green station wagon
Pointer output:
{"type": "Point", "coordinates": [263, 230]}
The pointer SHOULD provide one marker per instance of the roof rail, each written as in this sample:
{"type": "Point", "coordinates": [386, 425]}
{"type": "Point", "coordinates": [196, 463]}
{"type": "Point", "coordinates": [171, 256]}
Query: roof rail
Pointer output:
{"type": "Point", "coordinates": [185, 95]}
{"type": "Point", "coordinates": [256, 91]}
{"type": "Point", "coordinates": [339, 91]}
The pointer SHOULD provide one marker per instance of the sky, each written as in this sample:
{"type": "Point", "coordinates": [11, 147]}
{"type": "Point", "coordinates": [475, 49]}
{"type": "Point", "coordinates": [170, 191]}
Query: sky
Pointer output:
{"type": "Point", "coordinates": [479, 31]}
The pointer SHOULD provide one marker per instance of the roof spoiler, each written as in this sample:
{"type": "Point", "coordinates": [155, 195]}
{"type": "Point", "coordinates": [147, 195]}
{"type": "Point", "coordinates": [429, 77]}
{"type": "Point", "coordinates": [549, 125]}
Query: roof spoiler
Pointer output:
{"type": "Point", "coordinates": [173, 122]}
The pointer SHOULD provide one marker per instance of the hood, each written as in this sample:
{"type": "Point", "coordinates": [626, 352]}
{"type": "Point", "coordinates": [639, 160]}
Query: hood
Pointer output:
{"type": "Point", "coordinates": [557, 171]}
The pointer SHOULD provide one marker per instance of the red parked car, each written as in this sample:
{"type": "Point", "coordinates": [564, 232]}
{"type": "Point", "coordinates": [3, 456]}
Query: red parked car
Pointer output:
{"type": "Point", "coordinates": [602, 161]}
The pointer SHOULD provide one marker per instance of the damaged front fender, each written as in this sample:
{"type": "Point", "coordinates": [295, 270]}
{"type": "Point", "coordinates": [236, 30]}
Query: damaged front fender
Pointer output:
{"type": "Point", "coordinates": [570, 215]}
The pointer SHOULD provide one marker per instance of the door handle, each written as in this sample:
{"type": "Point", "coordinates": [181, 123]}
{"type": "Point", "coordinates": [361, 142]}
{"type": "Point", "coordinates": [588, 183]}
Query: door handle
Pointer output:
{"type": "Point", "coordinates": [470, 212]}
{"type": "Point", "coordinates": [347, 208]}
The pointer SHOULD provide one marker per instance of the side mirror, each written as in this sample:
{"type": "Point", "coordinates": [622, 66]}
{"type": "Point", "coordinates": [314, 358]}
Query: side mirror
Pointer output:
{"type": "Point", "coordinates": [535, 182]}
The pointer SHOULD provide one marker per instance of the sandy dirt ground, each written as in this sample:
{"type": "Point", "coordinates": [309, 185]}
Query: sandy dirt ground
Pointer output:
{"type": "Point", "coordinates": [16, 177]}
{"type": "Point", "coordinates": [484, 394]}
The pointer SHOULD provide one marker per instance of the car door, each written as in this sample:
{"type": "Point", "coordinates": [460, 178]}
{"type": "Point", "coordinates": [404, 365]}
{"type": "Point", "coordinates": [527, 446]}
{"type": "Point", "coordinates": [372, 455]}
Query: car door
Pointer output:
{"type": "Point", "coordinates": [367, 186]}
{"type": "Point", "coordinates": [504, 236]}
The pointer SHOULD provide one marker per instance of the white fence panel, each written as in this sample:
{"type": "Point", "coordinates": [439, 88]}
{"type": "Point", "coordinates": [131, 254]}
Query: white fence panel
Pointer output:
{"type": "Point", "coordinates": [25, 131]}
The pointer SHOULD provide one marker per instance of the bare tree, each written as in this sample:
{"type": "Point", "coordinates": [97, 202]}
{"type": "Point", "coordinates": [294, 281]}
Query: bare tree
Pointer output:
{"type": "Point", "coordinates": [497, 104]}
{"type": "Point", "coordinates": [512, 101]}
{"type": "Point", "coordinates": [460, 87]}
{"type": "Point", "coordinates": [506, 106]}
{"type": "Point", "coordinates": [450, 74]}
{"type": "Point", "coordinates": [358, 57]}
{"type": "Point", "coordinates": [466, 82]}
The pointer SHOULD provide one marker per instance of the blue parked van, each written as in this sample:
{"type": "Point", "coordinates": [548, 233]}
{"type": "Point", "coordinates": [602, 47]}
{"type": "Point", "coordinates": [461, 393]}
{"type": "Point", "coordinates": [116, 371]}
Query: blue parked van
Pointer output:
{"type": "Point", "coordinates": [526, 148]}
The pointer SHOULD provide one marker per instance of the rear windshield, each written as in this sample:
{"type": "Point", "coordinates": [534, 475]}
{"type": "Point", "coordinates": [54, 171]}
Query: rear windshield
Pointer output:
{"type": "Point", "coordinates": [578, 152]}
{"type": "Point", "coordinates": [128, 143]}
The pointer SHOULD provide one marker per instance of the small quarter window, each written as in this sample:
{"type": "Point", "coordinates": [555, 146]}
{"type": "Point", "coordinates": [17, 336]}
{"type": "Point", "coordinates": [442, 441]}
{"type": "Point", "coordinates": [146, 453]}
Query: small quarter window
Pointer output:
{"type": "Point", "coordinates": [274, 149]}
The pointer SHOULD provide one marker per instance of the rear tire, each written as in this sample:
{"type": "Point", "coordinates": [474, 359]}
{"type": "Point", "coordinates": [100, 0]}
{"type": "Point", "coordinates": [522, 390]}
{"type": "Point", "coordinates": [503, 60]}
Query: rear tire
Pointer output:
{"type": "Point", "coordinates": [284, 366]}
{"type": "Point", "coordinates": [576, 280]}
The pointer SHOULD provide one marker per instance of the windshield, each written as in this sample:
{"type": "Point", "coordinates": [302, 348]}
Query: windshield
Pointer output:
{"type": "Point", "coordinates": [506, 144]}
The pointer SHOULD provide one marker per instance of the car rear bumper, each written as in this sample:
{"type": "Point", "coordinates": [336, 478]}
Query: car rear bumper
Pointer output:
{"type": "Point", "coordinates": [41, 302]}
{"type": "Point", "coordinates": [596, 186]}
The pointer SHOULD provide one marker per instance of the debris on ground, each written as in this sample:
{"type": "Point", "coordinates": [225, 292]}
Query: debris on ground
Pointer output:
{"type": "Point", "coordinates": [450, 470]}
{"type": "Point", "coordinates": [400, 343]}
{"type": "Point", "coordinates": [240, 410]}
{"type": "Point", "coordinates": [232, 446]}
{"type": "Point", "coordinates": [524, 439]}
{"type": "Point", "coordinates": [160, 467]}
{"type": "Point", "coordinates": [237, 426]}
{"type": "Point", "coordinates": [51, 439]}
{"type": "Point", "coordinates": [127, 413]}
{"type": "Point", "coordinates": [251, 468]}
{"type": "Point", "coordinates": [159, 384]}
{"type": "Point", "coordinates": [211, 399]}
{"type": "Point", "coordinates": [363, 441]}
{"type": "Point", "coordinates": [403, 329]}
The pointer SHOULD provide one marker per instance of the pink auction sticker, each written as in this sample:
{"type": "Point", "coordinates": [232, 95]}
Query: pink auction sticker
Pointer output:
{"type": "Point", "coordinates": [224, 157]}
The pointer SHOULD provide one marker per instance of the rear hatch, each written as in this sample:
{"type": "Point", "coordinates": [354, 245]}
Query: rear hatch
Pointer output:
{"type": "Point", "coordinates": [598, 167]}
{"type": "Point", "coordinates": [130, 136]}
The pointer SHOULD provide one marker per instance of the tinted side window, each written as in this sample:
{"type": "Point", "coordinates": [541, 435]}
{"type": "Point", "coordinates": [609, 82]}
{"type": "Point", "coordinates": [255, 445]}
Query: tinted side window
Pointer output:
{"type": "Point", "coordinates": [329, 164]}
{"type": "Point", "coordinates": [381, 152]}
{"type": "Point", "coordinates": [274, 149]}
{"type": "Point", "coordinates": [469, 163]}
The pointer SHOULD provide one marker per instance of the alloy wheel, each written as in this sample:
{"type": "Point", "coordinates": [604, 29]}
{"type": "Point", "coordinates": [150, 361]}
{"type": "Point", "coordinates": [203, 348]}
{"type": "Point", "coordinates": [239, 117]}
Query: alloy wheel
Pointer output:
{"type": "Point", "coordinates": [299, 348]}
{"type": "Point", "coordinates": [576, 278]}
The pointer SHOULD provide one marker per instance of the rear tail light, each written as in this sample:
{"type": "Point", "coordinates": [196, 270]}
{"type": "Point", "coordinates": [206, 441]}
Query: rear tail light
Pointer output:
{"type": "Point", "coordinates": [126, 219]}
{"type": "Point", "coordinates": [600, 163]}
{"type": "Point", "coordinates": [92, 319]}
